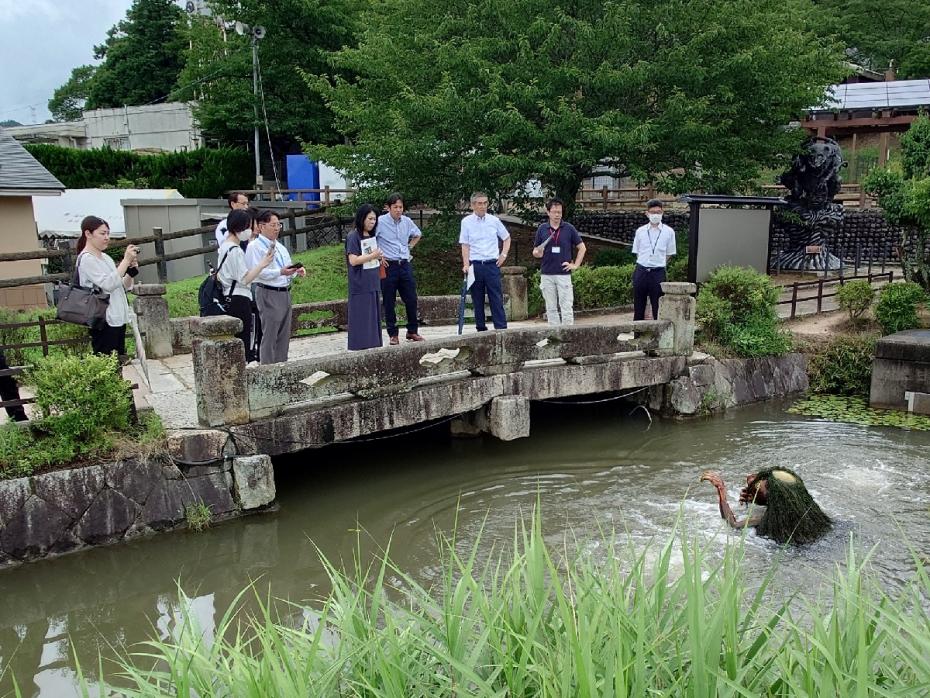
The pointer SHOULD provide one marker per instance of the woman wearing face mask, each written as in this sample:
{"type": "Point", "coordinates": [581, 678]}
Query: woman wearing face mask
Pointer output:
{"type": "Point", "coordinates": [653, 245]}
{"type": "Point", "coordinates": [236, 278]}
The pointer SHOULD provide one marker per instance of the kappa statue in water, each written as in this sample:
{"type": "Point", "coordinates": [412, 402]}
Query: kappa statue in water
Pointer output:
{"type": "Point", "coordinates": [790, 515]}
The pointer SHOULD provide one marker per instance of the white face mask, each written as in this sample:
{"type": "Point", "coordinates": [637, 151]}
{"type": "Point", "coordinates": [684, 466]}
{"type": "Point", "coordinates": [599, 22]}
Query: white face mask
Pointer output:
{"type": "Point", "coordinates": [655, 218]}
{"type": "Point", "coordinates": [245, 236]}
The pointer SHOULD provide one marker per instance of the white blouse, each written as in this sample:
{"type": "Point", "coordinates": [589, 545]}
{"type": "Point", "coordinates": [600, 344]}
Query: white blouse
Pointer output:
{"type": "Point", "coordinates": [233, 269]}
{"type": "Point", "coordinates": [100, 272]}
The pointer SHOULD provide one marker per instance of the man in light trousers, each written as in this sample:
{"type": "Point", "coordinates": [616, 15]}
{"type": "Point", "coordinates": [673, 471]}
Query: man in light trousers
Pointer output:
{"type": "Point", "coordinates": [554, 244]}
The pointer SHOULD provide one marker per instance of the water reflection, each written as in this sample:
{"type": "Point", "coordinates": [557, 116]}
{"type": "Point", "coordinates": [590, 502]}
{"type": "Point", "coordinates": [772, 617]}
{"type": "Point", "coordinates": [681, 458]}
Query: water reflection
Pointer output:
{"type": "Point", "coordinates": [592, 469]}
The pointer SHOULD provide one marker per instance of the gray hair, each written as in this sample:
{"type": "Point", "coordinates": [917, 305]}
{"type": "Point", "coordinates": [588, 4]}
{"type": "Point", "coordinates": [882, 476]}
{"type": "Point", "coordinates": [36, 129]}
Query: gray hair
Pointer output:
{"type": "Point", "coordinates": [478, 195]}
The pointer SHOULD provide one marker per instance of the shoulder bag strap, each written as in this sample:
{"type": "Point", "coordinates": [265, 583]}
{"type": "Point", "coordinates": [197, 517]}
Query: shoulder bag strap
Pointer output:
{"type": "Point", "coordinates": [220, 266]}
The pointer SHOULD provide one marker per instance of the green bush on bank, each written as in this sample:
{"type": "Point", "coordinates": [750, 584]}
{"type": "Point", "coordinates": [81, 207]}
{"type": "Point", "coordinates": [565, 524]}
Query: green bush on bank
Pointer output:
{"type": "Point", "coordinates": [844, 367]}
{"type": "Point", "coordinates": [82, 402]}
{"type": "Point", "coordinates": [202, 173]}
{"type": "Point", "coordinates": [855, 297]}
{"type": "Point", "coordinates": [25, 335]}
{"type": "Point", "coordinates": [537, 620]}
{"type": "Point", "coordinates": [594, 287]}
{"type": "Point", "coordinates": [736, 308]}
{"type": "Point", "coordinates": [898, 305]}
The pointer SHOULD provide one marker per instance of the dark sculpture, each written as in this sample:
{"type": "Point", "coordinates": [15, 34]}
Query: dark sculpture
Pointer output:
{"type": "Point", "coordinates": [813, 181]}
{"type": "Point", "coordinates": [791, 515]}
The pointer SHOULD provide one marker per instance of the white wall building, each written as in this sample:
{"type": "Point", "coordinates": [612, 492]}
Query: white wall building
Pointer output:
{"type": "Point", "coordinates": [168, 128]}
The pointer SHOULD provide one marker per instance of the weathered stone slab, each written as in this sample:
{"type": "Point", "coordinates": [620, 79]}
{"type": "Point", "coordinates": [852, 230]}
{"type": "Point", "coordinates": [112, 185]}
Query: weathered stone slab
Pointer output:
{"type": "Point", "coordinates": [198, 446]}
{"type": "Point", "coordinates": [71, 491]}
{"type": "Point", "coordinates": [134, 479]}
{"type": "Point", "coordinates": [13, 494]}
{"type": "Point", "coordinates": [34, 529]}
{"type": "Point", "coordinates": [509, 417]}
{"type": "Point", "coordinates": [254, 479]}
{"type": "Point", "coordinates": [107, 518]}
{"type": "Point", "coordinates": [901, 365]}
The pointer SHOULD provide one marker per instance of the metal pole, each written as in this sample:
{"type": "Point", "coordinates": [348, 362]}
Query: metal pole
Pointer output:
{"type": "Point", "coordinates": [258, 173]}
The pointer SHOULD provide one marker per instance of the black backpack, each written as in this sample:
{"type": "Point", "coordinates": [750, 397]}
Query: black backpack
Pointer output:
{"type": "Point", "coordinates": [211, 297]}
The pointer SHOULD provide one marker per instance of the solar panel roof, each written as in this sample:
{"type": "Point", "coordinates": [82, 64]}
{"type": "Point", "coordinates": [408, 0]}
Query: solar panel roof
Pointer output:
{"type": "Point", "coordinates": [878, 95]}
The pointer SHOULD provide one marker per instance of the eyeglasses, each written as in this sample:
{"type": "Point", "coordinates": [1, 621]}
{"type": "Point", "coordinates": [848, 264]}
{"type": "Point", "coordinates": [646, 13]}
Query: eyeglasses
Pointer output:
{"type": "Point", "coordinates": [273, 225]}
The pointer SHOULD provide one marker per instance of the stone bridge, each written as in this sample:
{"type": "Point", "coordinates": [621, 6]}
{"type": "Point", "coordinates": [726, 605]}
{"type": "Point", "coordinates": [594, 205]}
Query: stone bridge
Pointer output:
{"type": "Point", "coordinates": [483, 381]}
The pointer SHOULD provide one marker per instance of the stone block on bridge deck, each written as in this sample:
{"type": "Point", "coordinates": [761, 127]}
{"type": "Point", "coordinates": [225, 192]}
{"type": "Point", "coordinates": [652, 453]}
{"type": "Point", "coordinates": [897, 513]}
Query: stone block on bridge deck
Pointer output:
{"type": "Point", "coordinates": [254, 478]}
{"type": "Point", "coordinates": [219, 371]}
{"type": "Point", "coordinates": [154, 324]}
{"type": "Point", "coordinates": [677, 305]}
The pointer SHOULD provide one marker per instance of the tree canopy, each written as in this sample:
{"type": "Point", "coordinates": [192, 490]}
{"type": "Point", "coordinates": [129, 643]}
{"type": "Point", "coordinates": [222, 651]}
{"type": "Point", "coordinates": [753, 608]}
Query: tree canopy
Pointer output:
{"type": "Point", "coordinates": [142, 56]}
{"type": "Point", "coordinates": [299, 36]}
{"type": "Point", "coordinates": [879, 33]}
{"type": "Point", "coordinates": [456, 95]}
{"type": "Point", "coordinates": [68, 101]}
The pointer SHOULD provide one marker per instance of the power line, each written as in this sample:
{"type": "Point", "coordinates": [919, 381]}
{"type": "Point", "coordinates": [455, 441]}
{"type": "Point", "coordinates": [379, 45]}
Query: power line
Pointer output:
{"type": "Point", "coordinates": [261, 90]}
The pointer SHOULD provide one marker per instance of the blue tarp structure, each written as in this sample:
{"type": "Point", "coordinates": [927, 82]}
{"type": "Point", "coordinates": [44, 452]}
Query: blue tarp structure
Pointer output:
{"type": "Point", "coordinates": [303, 173]}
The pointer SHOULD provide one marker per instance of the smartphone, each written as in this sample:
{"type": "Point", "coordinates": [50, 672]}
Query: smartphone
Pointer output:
{"type": "Point", "coordinates": [295, 265]}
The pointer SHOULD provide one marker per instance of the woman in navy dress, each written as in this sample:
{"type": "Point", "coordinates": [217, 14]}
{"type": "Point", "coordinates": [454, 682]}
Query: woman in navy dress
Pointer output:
{"type": "Point", "coordinates": [364, 284]}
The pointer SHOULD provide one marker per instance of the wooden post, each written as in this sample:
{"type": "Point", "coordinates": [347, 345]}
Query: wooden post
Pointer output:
{"type": "Point", "coordinates": [43, 336]}
{"type": "Point", "coordinates": [604, 196]}
{"type": "Point", "coordinates": [326, 196]}
{"type": "Point", "coordinates": [159, 255]}
{"type": "Point", "coordinates": [794, 299]}
{"type": "Point", "coordinates": [819, 295]}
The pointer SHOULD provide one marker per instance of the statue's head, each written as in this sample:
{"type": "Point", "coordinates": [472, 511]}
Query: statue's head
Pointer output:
{"type": "Point", "coordinates": [823, 152]}
{"type": "Point", "coordinates": [791, 513]}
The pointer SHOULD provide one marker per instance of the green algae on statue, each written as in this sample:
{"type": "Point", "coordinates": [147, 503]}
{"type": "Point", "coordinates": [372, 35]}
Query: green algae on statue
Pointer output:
{"type": "Point", "coordinates": [791, 514]}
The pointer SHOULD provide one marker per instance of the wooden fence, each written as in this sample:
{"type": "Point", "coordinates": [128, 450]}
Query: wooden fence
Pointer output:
{"type": "Point", "coordinates": [820, 293]}
{"type": "Point", "coordinates": [326, 227]}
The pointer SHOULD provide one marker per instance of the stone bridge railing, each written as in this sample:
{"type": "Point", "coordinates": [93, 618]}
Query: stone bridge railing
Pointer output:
{"type": "Point", "coordinates": [165, 336]}
{"type": "Point", "coordinates": [228, 393]}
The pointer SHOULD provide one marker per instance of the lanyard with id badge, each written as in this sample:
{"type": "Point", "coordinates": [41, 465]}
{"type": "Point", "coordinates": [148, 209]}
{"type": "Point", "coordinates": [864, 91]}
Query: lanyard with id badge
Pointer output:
{"type": "Point", "coordinates": [555, 249]}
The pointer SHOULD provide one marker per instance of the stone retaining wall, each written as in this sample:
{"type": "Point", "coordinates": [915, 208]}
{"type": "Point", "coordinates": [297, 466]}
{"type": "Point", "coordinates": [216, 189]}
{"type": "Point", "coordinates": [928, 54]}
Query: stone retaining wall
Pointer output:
{"type": "Point", "coordinates": [710, 385]}
{"type": "Point", "coordinates": [867, 229]}
{"type": "Point", "coordinates": [66, 510]}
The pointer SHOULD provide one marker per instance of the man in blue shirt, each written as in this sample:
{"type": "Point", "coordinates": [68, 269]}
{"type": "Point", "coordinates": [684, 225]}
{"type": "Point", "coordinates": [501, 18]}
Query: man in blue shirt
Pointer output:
{"type": "Point", "coordinates": [396, 235]}
{"type": "Point", "coordinates": [554, 243]}
{"type": "Point", "coordinates": [479, 234]}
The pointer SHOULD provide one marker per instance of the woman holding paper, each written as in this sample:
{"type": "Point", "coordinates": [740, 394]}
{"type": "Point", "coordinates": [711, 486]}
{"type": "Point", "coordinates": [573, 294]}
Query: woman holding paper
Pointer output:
{"type": "Point", "coordinates": [363, 261]}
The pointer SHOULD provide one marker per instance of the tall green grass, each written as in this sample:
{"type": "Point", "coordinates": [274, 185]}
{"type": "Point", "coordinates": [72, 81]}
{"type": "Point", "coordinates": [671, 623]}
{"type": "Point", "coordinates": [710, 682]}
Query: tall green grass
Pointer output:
{"type": "Point", "coordinates": [541, 620]}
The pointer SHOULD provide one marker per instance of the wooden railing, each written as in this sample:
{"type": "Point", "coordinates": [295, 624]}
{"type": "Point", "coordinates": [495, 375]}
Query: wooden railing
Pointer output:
{"type": "Point", "coordinates": [325, 197]}
{"type": "Point", "coordinates": [320, 222]}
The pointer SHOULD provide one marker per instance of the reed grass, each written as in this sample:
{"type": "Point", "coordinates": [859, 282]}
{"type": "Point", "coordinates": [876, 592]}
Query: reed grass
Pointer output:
{"type": "Point", "coordinates": [673, 619]}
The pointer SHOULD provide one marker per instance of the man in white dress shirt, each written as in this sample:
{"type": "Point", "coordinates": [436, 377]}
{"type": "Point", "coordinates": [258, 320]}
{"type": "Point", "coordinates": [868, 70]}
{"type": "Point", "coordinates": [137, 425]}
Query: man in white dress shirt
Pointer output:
{"type": "Point", "coordinates": [653, 245]}
{"type": "Point", "coordinates": [273, 289]}
{"type": "Point", "coordinates": [479, 234]}
{"type": "Point", "coordinates": [236, 200]}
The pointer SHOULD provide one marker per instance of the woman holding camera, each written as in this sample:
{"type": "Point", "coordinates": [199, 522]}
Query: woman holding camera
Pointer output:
{"type": "Point", "coordinates": [97, 269]}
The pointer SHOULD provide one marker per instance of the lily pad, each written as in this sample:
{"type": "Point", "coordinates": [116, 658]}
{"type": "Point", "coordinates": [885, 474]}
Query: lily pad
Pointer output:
{"type": "Point", "coordinates": [855, 410]}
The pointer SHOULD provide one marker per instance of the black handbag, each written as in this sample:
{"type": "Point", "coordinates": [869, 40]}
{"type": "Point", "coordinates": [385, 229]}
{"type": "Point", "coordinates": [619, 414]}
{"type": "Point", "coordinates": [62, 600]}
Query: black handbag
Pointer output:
{"type": "Point", "coordinates": [79, 305]}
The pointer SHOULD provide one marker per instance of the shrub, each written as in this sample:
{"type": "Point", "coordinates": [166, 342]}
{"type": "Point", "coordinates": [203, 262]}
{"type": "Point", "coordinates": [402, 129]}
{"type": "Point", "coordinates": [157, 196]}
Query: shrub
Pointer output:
{"type": "Point", "coordinates": [897, 307]}
{"type": "Point", "coordinates": [855, 297]}
{"type": "Point", "coordinates": [595, 287]}
{"type": "Point", "coordinates": [25, 335]}
{"type": "Point", "coordinates": [201, 173]}
{"type": "Point", "coordinates": [612, 257]}
{"type": "Point", "coordinates": [844, 367]}
{"type": "Point", "coordinates": [736, 307]}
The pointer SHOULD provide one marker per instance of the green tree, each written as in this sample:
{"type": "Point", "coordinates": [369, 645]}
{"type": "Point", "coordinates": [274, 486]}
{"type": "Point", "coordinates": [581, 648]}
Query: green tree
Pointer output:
{"type": "Point", "coordinates": [904, 194]}
{"type": "Point", "coordinates": [879, 33]}
{"type": "Point", "coordinates": [67, 102]}
{"type": "Point", "coordinates": [455, 95]}
{"type": "Point", "coordinates": [9, 122]}
{"type": "Point", "coordinates": [300, 34]}
{"type": "Point", "coordinates": [142, 56]}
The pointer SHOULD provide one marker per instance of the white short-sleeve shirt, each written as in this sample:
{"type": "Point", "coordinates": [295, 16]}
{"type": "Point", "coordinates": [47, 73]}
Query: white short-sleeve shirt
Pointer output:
{"type": "Point", "coordinates": [233, 269]}
{"type": "Point", "coordinates": [481, 235]}
{"type": "Point", "coordinates": [652, 244]}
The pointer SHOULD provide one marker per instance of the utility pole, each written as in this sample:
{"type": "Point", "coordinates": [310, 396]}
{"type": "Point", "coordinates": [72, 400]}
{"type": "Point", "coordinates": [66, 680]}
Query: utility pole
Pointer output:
{"type": "Point", "coordinates": [258, 173]}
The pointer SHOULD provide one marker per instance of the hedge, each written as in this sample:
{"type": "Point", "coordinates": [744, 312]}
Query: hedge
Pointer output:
{"type": "Point", "coordinates": [204, 173]}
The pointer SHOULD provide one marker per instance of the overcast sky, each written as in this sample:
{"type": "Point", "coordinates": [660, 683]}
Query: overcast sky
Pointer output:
{"type": "Point", "coordinates": [42, 41]}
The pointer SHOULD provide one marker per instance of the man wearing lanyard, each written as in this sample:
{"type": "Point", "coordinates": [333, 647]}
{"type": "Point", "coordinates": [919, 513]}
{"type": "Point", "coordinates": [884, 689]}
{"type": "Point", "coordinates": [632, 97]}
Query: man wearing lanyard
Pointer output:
{"type": "Point", "coordinates": [272, 289]}
{"type": "Point", "coordinates": [396, 235]}
{"type": "Point", "coordinates": [479, 234]}
{"type": "Point", "coordinates": [653, 244]}
{"type": "Point", "coordinates": [553, 244]}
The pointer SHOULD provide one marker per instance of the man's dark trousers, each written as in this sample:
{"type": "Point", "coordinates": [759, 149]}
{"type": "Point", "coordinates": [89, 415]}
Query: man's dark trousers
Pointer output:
{"type": "Point", "coordinates": [399, 278]}
{"type": "Point", "coordinates": [646, 286]}
{"type": "Point", "coordinates": [488, 280]}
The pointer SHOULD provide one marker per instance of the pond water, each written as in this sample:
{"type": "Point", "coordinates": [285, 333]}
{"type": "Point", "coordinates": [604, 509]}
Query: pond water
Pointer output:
{"type": "Point", "coordinates": [593, 468]}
